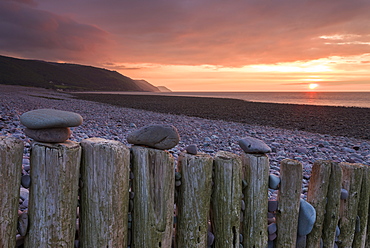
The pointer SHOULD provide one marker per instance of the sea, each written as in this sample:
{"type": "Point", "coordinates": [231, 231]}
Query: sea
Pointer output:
{"type": "Point", "coordinates": [346, 99]}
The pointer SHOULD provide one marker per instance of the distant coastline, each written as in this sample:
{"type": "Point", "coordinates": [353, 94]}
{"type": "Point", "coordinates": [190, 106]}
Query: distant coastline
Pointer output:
{"type": "Point", "coordinates": [343, 99]}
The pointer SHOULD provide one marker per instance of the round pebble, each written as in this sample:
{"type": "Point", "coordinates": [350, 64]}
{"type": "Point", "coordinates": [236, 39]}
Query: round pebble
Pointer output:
{"type": "Point", "coordinates": [26, 181]}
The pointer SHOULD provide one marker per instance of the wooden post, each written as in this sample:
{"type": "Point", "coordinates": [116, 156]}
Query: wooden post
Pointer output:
{"type": "Point", "coordinates": [153, 204]}
{"type": "Point", "coordinates": [11, 154]}
{"type": "Point", "coordinates": [289, 201]}
{"type": "Point", "coordinates": [256, 173]}
{"type": "Point", "coordinates": [194, 200]}
{"type": "Point", "coordinates": [226, 199]}
{"type": "Point", "coordinates": [104, 193]}
{"type": "Point", "coordinates": [316, 196]}
{"type": "Point", "coordinates": [363, 209]}
{"type": "Point", "coordinates": [352, 180]}
{"type": "Point", "coordinates": [53, 194]}
{"type": "Point", "coordinates": [332, 207]}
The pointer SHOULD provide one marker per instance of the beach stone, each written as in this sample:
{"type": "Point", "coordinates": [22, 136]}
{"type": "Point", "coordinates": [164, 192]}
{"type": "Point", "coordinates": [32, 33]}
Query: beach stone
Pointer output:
{"type": "Point", "coordinates": [301, 242]}
{"type": "Point", "coordinates": [49, 135]}
{"type": "Point", "coordinates": [306, 219]}
{"type": "Point", "coordinates": [26, 181]}
{"type": "Point", "coordinates": [272, 206]}
{"type": "Point", "coordinates": [272, 236]}
{"type": "Point", "coordinates": [192, 149]}
{"type": "Point", "coordinates": [272, 228]}
{"type": "Point", "coordinates": [253, 145]}
{"type": "Point", "coordinates": [301, 150]}
{"type": "Point", "coordinates": [156, 136]}
{"type": "Point", "coordinates": [343, 194]}
{"type": "Point", "coordinates": [270, 244]}
{"type": "Point", "coordinates": [23, 194]}
{"type": "Point", "coordinates": [358, 224]}
{"type": "Point", "coordinates": [274, 181]}
{"type": "Point", "coordinates": [48, 118]}
{"type": "Point", "coordinates": [337, 231]}
{"type": "Point", "coordinates": [210, 238]}
{"type": "Point", "coordinates": [23, 224]}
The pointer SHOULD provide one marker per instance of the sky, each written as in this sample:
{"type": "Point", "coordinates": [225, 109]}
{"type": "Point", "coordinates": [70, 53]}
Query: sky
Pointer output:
{"type": "Point", "coordinates": [200, 45]}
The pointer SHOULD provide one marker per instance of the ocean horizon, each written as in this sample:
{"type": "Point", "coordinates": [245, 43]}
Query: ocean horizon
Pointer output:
{"type": "Point", "coordinates": [342, 99]}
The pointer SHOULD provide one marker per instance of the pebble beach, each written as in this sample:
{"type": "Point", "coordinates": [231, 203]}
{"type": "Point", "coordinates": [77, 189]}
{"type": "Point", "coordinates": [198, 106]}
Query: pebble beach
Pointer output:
{"type": "Point", "coordinates": [208, 134]}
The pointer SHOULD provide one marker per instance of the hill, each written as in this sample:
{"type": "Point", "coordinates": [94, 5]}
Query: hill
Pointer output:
{"type": "Point", "coordinates": [63, 76]}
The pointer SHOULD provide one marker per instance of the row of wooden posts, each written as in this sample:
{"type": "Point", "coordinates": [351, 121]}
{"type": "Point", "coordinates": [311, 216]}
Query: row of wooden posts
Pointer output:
{"type": "Point", "coordinates": [109, 182]}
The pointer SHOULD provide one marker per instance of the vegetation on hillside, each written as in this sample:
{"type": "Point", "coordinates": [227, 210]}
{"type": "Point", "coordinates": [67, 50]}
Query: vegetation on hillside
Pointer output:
{"type": "Point", "coordinates": [71, 77]}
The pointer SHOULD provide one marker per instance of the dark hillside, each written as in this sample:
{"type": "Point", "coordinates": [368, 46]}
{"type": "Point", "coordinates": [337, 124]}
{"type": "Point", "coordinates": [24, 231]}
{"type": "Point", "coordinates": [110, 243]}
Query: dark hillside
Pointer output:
{"type": "Point", "coordinates": [36, 73]}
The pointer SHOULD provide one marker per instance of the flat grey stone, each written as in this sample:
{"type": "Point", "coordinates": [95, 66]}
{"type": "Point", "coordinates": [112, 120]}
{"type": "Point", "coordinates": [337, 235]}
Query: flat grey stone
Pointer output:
{"type": "Point", "coordinates": [47, 118]}
{"type": "Point", "coordinates": [192, 149]}
{"type": "Point", "coordinates": [306, 219]}
{"type": "Point", "coordinates": [156, 136]}
{"type": "Point", "coordinates": [253, 145]}
{"type": "Point", "coordinates": [274, 181]}
{"type": "Point", "coordinates": [49, 135]}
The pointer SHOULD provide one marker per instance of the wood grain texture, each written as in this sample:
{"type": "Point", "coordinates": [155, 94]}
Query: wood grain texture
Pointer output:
{"type": "Point", "coordinates": [351, 181]}
{"type": "Point", "coordinates": [153, 204]}
{"type": "Point", "coordinates": [11, 154]}
{"type": "Point", "coordinates": [317, 197]}
{"type": "Point", "coordinates": [332, 207]}
{"type": "Point", "coordinates": [226, 199]}
{"type": "Point", "coordinates": [289, 201]}
{"type": "Point", "coordinates": [53, 194]}
{"type": "Point", "coordinates": [194, 199]}
{"type": "Point", "coordinates": [363, 209]}
{"type": "Point", "coordinates": [256, 173]}
{"type": "Point", "coordinates": [104, 193]}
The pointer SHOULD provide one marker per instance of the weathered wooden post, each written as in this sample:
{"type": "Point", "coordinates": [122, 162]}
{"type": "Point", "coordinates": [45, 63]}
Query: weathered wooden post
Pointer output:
{"type": "Point", "coordinates": [289, 201]}
{"type": "Point", "coordinates": [193, 202]}
{"type": "Point", "coordinates": [226, 199]}
{"type": "Point", "coordinates": [53, 194]}
{"type": "Point", "coordinates": [352, 180]}
{"type": "Point", "coordinates": [331, 217]}
{"type": "Point", "coordinates": [11, 151]}
{"type": "Point", "coordinates": [153, 204]}
{"type": "Point", "coordinates": [104, 193]}
{"type": "Point", "coordinates": [254, 226]}
{"type": "Point", "coordinates": [317, 197]}
{"type": "Point", "coordinates": [363, 209]}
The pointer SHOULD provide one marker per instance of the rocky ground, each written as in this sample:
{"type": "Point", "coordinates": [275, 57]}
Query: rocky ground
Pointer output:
{"type": "Point", "coordinates": [210, 135]}
{"type": "Point", "coordinates": [225, 123]}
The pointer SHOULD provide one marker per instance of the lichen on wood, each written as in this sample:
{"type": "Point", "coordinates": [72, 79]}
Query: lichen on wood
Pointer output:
{"type": "Point", "coordinates": [153, 185]}
{"type": "Point", "coordinates": [256, 173]}
{"type": "Point", "coordinates": [53, 194]}
{"type": "Point", "coordinates": [104, 193]}
{"type": "Point", "coordinates": [11, 151]}
{"type": "Point", "coordinates": [194, 200]}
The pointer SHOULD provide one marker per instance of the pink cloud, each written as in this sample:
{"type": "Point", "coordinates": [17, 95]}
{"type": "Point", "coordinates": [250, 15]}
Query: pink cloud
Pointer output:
{"type": "Point", "coordinates": [29, 32]}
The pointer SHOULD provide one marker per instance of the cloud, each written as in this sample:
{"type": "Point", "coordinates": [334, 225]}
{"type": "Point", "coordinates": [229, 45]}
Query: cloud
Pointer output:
{"type": "Point", "coordinates": [29, 32]}
{"type": "Point", "coordinates": [193, 32]}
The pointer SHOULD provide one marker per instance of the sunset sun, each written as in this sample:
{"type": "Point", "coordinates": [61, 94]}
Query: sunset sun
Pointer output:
{"type": "Point", "coordinates": [312, 86]}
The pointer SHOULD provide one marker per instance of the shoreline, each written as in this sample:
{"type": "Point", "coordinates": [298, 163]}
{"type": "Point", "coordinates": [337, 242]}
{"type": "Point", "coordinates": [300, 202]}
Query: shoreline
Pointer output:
{"type": "Point", "coordinates": [332, 120]}
{"type": "Point", "coordinates": [256, 97]}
